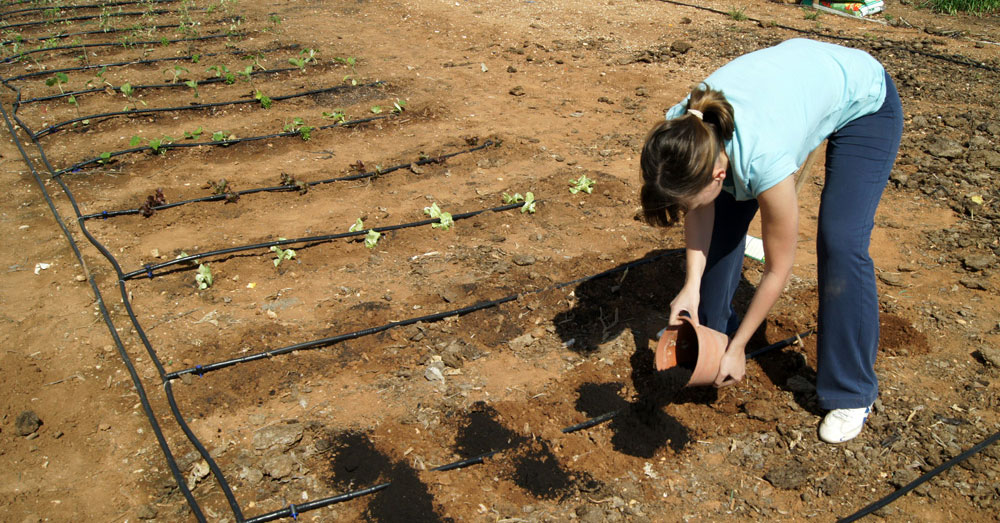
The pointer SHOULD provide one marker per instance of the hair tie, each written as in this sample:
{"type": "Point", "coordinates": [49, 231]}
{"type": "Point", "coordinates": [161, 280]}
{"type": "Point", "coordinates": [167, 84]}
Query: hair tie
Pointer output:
{"type": "Point", "coordinates": [699, 114]}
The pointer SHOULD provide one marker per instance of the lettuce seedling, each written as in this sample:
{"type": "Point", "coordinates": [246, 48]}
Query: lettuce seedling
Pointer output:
{"type": "Point", "coordinates": [336, 116]}
{"type": "Point", "coordinates": [204, 276]}
{"type": "Point", "coordinates": [289, 181]}
{"type": "Point", "coordinates": [222, 188]}
{"type": "Point", "coordinates": [399, 106]}
{"type": "Point", "coordinates": [153, 200]}
{"type": "Point", "coordinates": [222, 71]}
{"type": "Point", "coordinates": [193, 134]}
{"type": "Point", "coordinates": [508, 199]}
{"type": "Point", "coordinates": [357, 226]}
{"type": "Point", "coordinates": [298, 125]}
{"type": "Point", "coordinates": [581, 184]}
{"type": "Point", "coordinates": [283, 254]}
{"type": "Point", "coordinates": [371, 239]}
{"type": "Point", "coordinates": [434, 211]}
{"type": "Point", "coordinates": [265, 102]}
{"type": "Point", "coordinates": [529, 203]}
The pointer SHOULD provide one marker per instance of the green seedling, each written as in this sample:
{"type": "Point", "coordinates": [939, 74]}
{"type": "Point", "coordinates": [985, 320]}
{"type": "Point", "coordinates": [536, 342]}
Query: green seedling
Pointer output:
{"type": "Point", "coordinates": [246, 73]}
{"type": "Point", "coordinates": [193, 134]}
{"type": "Point", "coordinates": [195, 58]}
{"type": "Point", "coordinates": [222, 71]}
{"type": "Point", "coordinates": [336, 116]}
{"type": "Point", "coordinates": [104, 158]}
{"type": "Point", "coordinates": [445, 223]}
{"type": "Point", "coordinates": [222, 188]}
{"type": "Point", "coordinates": [371, 239]}
{"type": "Point", "coordinates": [193, 84]}
{"type": "Point", "coordinates": [376, 109]}
{"type": "Point", "coordinates": [283, 254]}
{"type": "Point", "coordinates": [156, 199]}
{"type": "Point", "coordinates": [57, 80]}
{"type": "Point", "coordinates": [508, 199]}
{"type": "Point", "coordinates": [288, 181]}
{"type": "Point", "coordinates": [398, 106]}
{"type": "Point", "coordinates": [581, 184]}
{"type": "Point", "coordinates": [164, 41]}
{"type": "Point", "coordinates": [810, 14]}
{"type": "Point", "coordinates": [265, 102]}
{"type": "Point", "coordinates": [357, 226]}
{"type": "Point", "coordinates": [156, 144]}
{"type": "Point", "coordinates": [134, 141]}
{"type": "Point", "coordinates": [299, 125]}
{"type": "Point", "coordinates": [128, 91]}
{"type": "Point", "coordinates": [738, 14]}
{"type": "Point", "coordinates": [218, 136]}
{"type": "Point", "coordinates": [350, 61]}
{"type": "Point", "coordinates": [529, 203]}
{"type": "Point", "coordinates": [204, 276]}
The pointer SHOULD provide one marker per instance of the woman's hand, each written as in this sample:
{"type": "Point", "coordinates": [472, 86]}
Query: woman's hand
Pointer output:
{"type": "Point", "coordinates": [686, 301]}
{"type": "Point", "coordinates": [733, 366]}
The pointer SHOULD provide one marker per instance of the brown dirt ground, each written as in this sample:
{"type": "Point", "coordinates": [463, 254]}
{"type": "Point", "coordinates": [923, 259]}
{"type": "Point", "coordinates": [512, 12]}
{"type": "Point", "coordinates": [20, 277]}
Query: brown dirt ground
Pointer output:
{"type": "Point", "coordinates": [566, 89]}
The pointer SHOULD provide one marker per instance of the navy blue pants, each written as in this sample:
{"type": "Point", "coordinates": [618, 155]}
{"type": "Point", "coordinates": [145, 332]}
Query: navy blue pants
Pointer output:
{"type": "Point", "coordinates": [859, 158]}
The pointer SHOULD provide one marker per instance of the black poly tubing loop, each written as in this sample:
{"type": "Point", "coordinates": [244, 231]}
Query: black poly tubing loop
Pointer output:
{"type": "Point", "coordinates": [133, 374]}
{"type": "Point", "coordinates": [292, 510]}
{"type": "Point", "coordinates": [919, 481]}
{"type": "Point", "coordinates": [290, 188]}
{"type": "Point", "coordinates": [55, 127]}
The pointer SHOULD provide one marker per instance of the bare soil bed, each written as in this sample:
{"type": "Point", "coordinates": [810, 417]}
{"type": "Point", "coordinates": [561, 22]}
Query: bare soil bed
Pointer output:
{"type": "Point", "coordinates": [521, 340]}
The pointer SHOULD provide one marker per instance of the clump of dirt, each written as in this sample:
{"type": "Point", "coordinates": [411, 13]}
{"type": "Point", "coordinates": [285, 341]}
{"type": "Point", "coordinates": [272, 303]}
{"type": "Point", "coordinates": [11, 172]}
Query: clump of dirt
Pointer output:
{"type": "Point", "coordinates": [537, 470]}
{"type": "Point", "coordinates": [900, 338]}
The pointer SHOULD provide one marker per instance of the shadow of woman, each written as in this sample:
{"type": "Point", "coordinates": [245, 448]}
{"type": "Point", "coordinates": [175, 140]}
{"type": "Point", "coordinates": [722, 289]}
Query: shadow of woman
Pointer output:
{"type": "Point", "coordinates": [635, 297]}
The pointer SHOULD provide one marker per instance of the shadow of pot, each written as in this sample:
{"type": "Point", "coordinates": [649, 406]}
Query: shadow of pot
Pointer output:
{"type": "Point", "coordinates": [694, 347]}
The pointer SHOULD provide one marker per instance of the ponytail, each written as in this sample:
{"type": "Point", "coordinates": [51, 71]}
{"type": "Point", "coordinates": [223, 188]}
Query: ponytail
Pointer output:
{"type": "Point", "coordinates": [679, 155]}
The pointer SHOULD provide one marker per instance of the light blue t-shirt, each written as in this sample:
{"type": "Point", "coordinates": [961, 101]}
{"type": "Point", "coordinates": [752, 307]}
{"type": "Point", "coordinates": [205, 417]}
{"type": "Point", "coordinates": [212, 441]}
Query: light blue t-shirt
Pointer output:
{"type": "Point", "coordinates": [786, 100]}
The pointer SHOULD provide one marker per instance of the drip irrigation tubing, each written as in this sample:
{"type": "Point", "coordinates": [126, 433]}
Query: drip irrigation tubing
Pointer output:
{"type": "Point", "coordinates": [84, 6]}
{"type": "Point", "coordinates": [290, 188]}
{"type": "Point", "coordinates": [61, 36]}
{"type": "Point", "coordinates": [149, 270]}
{"type": "Point", "coordinates": [22, 54]}
{"type": "Point", "coordinates": [173, 85]}
{"type": "Point", "coordinates": [919, 481]}
{"type": "Point", "coordinates": [607, 416]}
{"type": "Point", "coordinates": [87, 17]}
{"type": "Point", "coordinates": [293, 511]}
{"type": "Point", "coordinates": [126, 360]}
{"type": "Point", "coordinates": [55, 127]}
{"type": "Point", "coordinates": [139, 62]}
{"type": "Point", "coordinates": [200, 370]}
{"type": "Point", "coordinates": [223, 143]}
{"type": "Point", "coordinates": [955, 59]}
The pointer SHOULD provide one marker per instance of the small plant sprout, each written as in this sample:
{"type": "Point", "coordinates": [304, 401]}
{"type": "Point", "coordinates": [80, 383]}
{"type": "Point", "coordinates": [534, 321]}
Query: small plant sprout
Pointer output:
{"type": "Point", "coordinates": [371, 239]}
{"type": "Point", "coordinates": [104, 158]}
{"type": "Point", "coordinates": [337, 116]}
{"type": "Point", "coordinates": [204, 276]}
{"type": "Point", "coordinates": [57, 80]}
{"type": "Point", "coordinates": [529, 203]}
{"type": "Point", "coordinates": [299, 125]}
{"type": "Point", "coordinates": [134, 141]}
{"type": "Point", "coordinates": [222, 71]}
{"type": "Point", "coordinates": [581, 184]}
{"type": "Point", "coordinates": [222, 188]}
{"type": "Point", "coordinates": [738, 14]}
{"type": "Point", "coordinates": [288, 181]}
{"type": "Point", "coordinates": [176, 71]}
{"type": "Point", "coordinates": [193, 84]}
{"type": "Point", "coordinates": [191, 135]}
{"type": "Point", "coordinates": [265, 102]}
{"type": "Point", "coordinates": [434, 211]}
{"type": "Point", "coordinates": [376, 109]}
{"type": "Point", "coordinates": [508, 199]}
{"type": "Point", "coordinates": [282, 254]}
{"type": "Point", "coordinates": [154, 200]}
{"type": "Point", "coordinates": [246, 73]}
{"type": "Point", "coordinates": [357, 226]}
{"type": "Point", "coordinates": [156, 144]}
{"type": "Point", "coordinates": [399, 106]}
{"type": "Point", "coordinates": [305, 56]}
{"type": "Point", "coordinates": [221, 136]}
{"type": "Point", "coordinates": [350, 61]}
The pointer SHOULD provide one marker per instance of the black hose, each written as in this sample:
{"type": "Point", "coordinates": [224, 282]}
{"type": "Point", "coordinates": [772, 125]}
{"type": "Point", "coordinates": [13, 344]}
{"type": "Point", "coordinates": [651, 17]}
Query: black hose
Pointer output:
{"type": "Point", "coordinates": [293, 511]}
{"type": "Point", "coordinates": [61, 36]}
{"type": "Point", "coordinates": [289, 188]}
{"type": "Point", "coordinates": [919, 481]}
{"type": "Point", "coordinates": [136, 382]}
{"type": "Point", "coordinates": [53, 128]}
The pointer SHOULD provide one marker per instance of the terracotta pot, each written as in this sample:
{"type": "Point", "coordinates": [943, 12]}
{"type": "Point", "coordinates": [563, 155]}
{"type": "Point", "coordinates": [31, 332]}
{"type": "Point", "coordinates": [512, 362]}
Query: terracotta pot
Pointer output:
{"type": "Point", "coordinates": [694, 347]}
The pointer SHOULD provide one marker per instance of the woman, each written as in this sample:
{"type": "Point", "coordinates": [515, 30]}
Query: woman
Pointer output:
{"type": "Point", "coordinates": [731, 147]}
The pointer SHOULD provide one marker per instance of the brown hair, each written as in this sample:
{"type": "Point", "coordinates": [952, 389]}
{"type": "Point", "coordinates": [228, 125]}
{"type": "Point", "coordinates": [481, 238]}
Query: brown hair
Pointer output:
{"type": "Point", "coordinates": [679, 155]}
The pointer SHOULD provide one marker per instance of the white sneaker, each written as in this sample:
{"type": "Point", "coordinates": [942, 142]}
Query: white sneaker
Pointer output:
{"type": "Point", "coordinates": [841, 425]}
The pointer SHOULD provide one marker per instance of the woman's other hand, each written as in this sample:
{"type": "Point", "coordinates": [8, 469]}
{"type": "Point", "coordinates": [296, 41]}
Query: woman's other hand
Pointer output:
{"type": "Point", "coordinates": [733, 366]}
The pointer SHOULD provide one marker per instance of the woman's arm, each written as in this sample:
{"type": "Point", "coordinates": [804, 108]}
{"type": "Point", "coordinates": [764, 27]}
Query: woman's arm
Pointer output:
{"type": "Point", "coordinates": [779, 214]}
{"type": "Point", "coordinates": [698, 225]}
